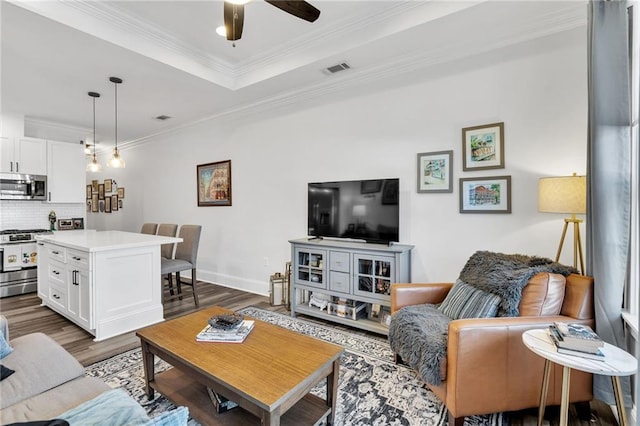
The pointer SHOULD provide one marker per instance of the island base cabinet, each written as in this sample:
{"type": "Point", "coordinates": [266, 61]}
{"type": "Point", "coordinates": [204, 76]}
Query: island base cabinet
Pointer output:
{"type": "Point", "coordinates": [128, 291]}
{"type": "Point", "coordinates": [107, 292]}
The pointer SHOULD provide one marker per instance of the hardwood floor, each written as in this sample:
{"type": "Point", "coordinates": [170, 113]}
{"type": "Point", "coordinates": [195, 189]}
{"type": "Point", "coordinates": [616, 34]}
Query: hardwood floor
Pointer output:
{"type": "Point", "coordinates": [25, 315]}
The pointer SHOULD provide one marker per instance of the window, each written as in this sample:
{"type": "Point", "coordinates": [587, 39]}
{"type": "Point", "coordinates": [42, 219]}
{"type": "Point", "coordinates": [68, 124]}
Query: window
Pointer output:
{"type": "Point", "coordinates": [633, 290]}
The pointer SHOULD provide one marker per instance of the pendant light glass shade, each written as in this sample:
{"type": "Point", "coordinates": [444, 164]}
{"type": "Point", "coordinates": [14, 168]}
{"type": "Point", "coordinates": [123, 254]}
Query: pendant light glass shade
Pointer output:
{"type": "Point", "coordinates": [116, 161]}
{"type": "Point", "coordinates": [93, 165]}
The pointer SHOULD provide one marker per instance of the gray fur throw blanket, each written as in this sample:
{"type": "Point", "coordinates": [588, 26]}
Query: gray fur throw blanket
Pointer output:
{"type": "Point", "coordinates": [506, 275]}
{"type": "Point", "coordinates": [418, 333]}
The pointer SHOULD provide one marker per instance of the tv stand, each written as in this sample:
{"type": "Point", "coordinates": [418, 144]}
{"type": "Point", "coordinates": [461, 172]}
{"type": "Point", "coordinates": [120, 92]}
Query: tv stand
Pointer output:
{"type": "Point", "coordinates": [353, 276]}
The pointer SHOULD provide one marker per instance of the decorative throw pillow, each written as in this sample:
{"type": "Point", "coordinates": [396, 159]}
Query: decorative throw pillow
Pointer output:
{"type": "Point", "coordinates": [466, 301]}
{"type": "Point", "coordinates": [5, 348]}
{"type": "Point", "coordinates": [5, 372]}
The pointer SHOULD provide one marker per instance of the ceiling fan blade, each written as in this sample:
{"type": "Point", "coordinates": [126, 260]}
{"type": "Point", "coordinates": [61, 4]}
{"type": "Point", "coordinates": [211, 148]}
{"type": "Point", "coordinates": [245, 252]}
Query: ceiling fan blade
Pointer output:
{"type": "Point", "coordinates": [299, 8]}
{"type": "Point", "coordinates": [233, 20]}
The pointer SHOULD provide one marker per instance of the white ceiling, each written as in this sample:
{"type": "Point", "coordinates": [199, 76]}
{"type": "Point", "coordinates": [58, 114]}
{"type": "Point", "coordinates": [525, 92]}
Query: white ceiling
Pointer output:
{"type": "Point", "coordinates": [173, 63]}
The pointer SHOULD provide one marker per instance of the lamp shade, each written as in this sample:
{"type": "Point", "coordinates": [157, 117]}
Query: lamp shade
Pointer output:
{"type": "Point", "coordinates": [564, 194]}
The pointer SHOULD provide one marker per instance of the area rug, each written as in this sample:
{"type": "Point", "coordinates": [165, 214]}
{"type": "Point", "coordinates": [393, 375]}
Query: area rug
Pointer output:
{"type": "Point", "coordinates": [373, 390]}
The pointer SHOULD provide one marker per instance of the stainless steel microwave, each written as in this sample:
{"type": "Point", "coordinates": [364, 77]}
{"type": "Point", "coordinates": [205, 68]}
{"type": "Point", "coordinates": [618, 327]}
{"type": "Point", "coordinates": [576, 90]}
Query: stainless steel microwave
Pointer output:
{"type": "Point", "coordinates": [15, 186]}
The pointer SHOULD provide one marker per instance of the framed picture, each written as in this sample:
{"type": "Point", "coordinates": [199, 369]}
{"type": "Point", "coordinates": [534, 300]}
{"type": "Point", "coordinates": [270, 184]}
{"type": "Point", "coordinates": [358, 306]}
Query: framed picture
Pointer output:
{"type": "Point", "coordinates": [485, 195]}
{"type": "Point", "coordinates": [374, 312]}
{"type": "Point", "coordinates": [483, 147]}
{"type": "Point", "coordinates": [101, 204]}
{"type": "Point", "coordinates": [65, 224]}
{"type": "Point", "coordinates": [107, 205]}
{"type": "Point", "coordinates": [435, 171]}
{"type": "Point", "coordinates": [101, 191]}
{"type": "Point", "coordinates": [94, 185]}
{"type": "Point", "coordinates": [94, 203]}
{"type": "Point", "coordinates": [114, 203]}
{"type": "Point", "coordinates": [214, 184]}
{"type": "Point", "coordinates": [78, 223]}
{"type": "Point", "coordinates": [107, 185]}
{"type": "Point", "coordinates": [120, 193]}
{"type": "Point", "coordinates": [89, 191]}
{"type": "Point", "coordinates": [385, 316]}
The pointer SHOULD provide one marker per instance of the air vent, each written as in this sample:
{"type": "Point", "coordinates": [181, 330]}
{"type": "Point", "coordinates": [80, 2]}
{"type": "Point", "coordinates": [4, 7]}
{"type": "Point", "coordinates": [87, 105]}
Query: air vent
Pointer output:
{"type": "Point", "coordinates": [337, 68]}
{"type": "Point", "coordinates": [162, 117]}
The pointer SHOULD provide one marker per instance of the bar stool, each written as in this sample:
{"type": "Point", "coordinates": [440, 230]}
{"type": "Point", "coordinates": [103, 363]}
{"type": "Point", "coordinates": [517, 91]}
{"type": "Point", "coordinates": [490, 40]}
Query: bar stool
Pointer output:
{"type": "Point", "coordinates": [149, 228]}
{"type": "Point", "coordinates": [185, 258]}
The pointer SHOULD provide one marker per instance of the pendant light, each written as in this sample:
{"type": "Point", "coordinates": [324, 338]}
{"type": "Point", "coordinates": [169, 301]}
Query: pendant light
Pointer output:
{"type": "Point", "coordinates": [116, 161]}
{"type": "Point", "coordinates": [93, 165]}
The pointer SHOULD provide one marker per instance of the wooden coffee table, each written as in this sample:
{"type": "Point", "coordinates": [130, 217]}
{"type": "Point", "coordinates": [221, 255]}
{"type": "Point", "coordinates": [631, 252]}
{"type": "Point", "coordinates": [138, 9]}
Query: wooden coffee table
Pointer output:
{"type": "Point", "coordinates": [269, 375]}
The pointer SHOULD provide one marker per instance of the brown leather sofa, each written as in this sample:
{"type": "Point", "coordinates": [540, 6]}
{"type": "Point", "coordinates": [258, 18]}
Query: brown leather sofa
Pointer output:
{"type": "Point", "coordinates": [488, 369]}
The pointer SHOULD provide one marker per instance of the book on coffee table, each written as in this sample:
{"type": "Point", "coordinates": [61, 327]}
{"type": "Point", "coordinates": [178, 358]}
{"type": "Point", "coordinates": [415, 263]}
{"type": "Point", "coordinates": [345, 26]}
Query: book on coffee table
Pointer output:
{"type": "Point", "coordinates": [220, 403]}
{"type": "Point", "coordinates": [235, 335]}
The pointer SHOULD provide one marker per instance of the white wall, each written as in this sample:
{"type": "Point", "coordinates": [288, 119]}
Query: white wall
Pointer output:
{"type": "Point", "coordinates": [538, 89]}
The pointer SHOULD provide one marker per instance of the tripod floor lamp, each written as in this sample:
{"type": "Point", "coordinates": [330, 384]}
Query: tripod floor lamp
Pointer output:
{"type": "Point", "coordinates": [566, 194]}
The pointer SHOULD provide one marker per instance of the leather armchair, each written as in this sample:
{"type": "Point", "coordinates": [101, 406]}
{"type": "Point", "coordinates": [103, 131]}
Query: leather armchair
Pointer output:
{"type": "Point", "coordinates": [488, 369]}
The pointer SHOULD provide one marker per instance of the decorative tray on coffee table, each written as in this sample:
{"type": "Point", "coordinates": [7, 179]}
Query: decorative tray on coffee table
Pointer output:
{"type": "Point", "coordinates": [226, 321]}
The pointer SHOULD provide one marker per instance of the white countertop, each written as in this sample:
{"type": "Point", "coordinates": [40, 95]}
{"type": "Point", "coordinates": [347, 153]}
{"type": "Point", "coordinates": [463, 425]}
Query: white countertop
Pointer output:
{"type": "Point", "coordinates": [92, 241]}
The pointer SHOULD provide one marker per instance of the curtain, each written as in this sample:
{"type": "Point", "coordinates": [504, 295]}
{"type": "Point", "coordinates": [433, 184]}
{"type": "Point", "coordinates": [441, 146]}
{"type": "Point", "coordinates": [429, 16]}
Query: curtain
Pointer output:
{"type": "Point", "coordinates": [608, 173]}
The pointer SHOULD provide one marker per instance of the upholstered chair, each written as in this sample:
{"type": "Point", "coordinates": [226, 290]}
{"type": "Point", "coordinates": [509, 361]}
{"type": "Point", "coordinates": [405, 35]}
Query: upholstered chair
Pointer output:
{"type": "Point", "coordinates": [185, 259]}
{"type": "Point", "coordinates": [149, 228]}
{"type": "Point", "coordinates": [487, 368]}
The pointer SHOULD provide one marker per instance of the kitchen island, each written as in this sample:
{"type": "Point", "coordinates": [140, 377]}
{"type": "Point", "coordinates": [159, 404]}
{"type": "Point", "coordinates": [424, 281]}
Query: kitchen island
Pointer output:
{"type": "Point", "coordinates": [107, 282]}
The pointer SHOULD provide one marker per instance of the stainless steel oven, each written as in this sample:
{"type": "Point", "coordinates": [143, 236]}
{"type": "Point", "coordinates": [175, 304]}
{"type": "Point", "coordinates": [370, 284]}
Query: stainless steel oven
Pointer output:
{"type": "Point", "coordinates": [18, 267]}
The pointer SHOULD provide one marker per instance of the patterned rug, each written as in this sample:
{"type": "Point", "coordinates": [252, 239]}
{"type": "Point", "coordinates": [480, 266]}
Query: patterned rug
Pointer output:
{"type": "Point", "coordinates": [373, 390]}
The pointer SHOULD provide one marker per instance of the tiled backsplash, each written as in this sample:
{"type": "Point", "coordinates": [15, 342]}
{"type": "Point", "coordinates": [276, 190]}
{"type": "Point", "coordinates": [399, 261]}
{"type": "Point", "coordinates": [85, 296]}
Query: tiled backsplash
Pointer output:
{"type": "Point", "coordinates": [35, 214]}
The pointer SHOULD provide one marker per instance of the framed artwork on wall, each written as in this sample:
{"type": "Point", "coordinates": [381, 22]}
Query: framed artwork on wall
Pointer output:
{"type": "Point", "coordinates": [114, 203]}
{"type": "Point", "coordinates": [435, 171]}
{"type": "Point", "coordinates": [94, 203]}
{"type": "Point", "coordinates": [120, 192]}
{"type": "Point", "coordinates": [490, 194]}
{"type": "Point", "coordinates": [483, 147]}
{"type": "Point", "coordinates": [214, 184]}
{"type": "Point", "coordinates": [101, 191]}
{"type": "Point", "coordinates": [89, 191]}
{"type": "Point", "coordinates": [107, 185]}
{"type": "Point", "coordinates": [107, 205]}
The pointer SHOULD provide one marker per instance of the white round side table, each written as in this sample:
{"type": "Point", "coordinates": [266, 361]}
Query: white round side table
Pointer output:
{"type": "Point", "coordinates": [616, 363]}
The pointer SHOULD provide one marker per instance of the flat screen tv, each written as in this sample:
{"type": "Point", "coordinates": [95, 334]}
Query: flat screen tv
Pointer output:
{"type": "Point", "coordinates": [356, 209]}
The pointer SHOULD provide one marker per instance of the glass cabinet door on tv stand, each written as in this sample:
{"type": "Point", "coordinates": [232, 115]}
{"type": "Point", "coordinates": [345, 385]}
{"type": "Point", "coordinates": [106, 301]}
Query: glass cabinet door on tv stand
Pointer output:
{"type": "Point", "coordinates": [373, 276]}
{"type": "Point", "coordinates": [310, 267]}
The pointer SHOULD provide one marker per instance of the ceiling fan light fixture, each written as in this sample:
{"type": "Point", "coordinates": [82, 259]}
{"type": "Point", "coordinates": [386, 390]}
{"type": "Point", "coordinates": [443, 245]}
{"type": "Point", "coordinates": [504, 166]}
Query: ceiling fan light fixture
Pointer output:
{"type": "Point", "coordinates": [116, 161]}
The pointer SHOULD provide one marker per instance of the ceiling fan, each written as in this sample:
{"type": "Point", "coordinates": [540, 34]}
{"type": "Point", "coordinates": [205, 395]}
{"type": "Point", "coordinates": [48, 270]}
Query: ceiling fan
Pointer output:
{"type": "Point", "coordinates": [234, 14]}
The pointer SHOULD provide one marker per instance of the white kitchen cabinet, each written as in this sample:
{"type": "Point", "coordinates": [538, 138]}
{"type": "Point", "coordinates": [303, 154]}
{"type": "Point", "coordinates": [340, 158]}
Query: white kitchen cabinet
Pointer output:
{"type": "Point", "coordinates": [64, 282]}
{"type": "Point", "coordinates": [66, 175]}
{"type": "Point", "coordinates": [23, 155]}
{"type": "Point", "coordinates": [79, 288]}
